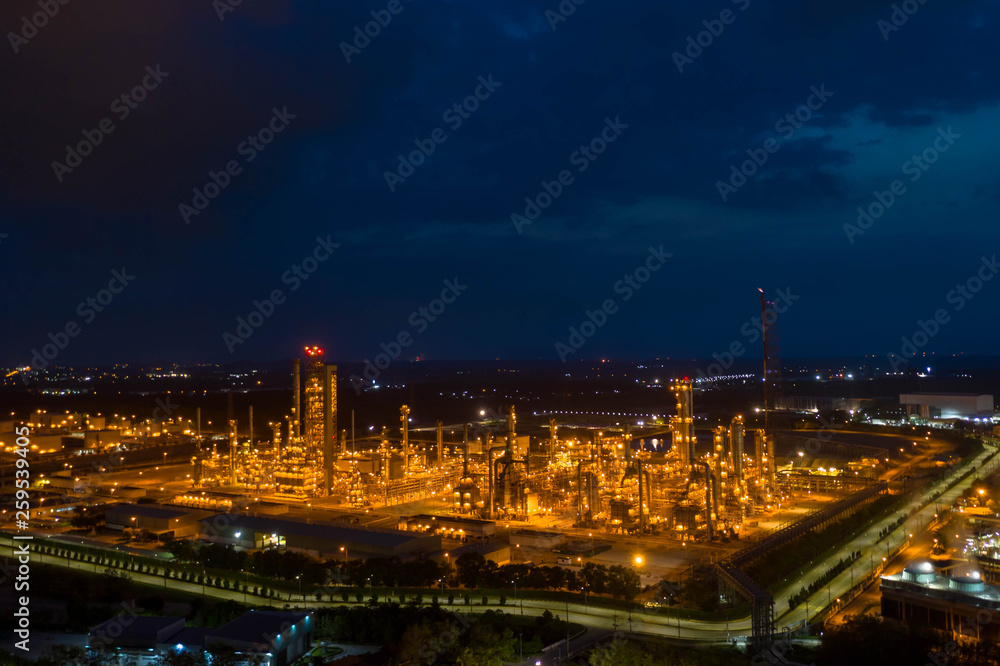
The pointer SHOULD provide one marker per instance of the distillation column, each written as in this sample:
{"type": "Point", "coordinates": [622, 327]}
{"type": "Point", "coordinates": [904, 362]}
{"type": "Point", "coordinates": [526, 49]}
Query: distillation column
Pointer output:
{"type": "Point", "coordinates": [440, 443]}
{"type": "Point", "coordinates": [296, 400]}
{"type": "Point", "coordinates": [736, 432]}
{"type": "Point", "coordinates": [329, 424]}
{"type": "Point", "coordinates": [683, 423]}
{"type": "Point", "coordinates": [553, 428]}
{"type": "Point", "coordinates": [404, 419]}
{"type": "Point", "coordinates": [719, 451]}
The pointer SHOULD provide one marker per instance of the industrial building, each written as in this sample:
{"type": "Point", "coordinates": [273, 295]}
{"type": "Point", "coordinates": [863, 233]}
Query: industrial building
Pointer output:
{"type": "Point", "coordinates": [963, 406]}
{"type": "Point", "coordinates": [962, 605]}
{"type": "Point", "coordinates": [319, 540]}
{"type": "Point", "coordinates": [301, 461]}
{"type": "Point", "coordinates": [454, 527]}
{"type": "Point", "coordinates": [163, 522]}
{"type": "Point", "coordinates": [273, 638]}
{"type": "Point", "coordinates": [492, 551]}
{"type": "Point", "coordinates": [607, 478]}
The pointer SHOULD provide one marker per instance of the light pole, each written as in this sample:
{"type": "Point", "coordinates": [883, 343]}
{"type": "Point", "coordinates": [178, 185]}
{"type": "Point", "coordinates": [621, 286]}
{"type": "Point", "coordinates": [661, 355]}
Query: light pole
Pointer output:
{"type": "Point", "coordinates": [299, 578]}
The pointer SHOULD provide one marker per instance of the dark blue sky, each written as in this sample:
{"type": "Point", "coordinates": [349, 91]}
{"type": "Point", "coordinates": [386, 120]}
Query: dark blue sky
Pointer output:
{"type": "Point", "coordinates": [656, 184]}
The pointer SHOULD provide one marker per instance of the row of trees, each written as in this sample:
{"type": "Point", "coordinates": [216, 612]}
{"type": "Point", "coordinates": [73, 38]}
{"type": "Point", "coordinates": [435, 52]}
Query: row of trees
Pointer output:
{"type": "Point", "coordinates": [392, 572]}
{"type": "Point", "coordinates": [473, 570]}
{"type": "Point", "coordinates": [270, 563]}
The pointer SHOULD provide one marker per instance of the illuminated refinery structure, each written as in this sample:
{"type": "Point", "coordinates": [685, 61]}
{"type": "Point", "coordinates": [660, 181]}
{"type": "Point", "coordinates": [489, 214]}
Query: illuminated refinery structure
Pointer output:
{"type": "Point", "coordinates": [646, 478]}
{"type": "Point", "coordinates": [300, 461]}
{"type": "Point", "coordinates": [652, 481]}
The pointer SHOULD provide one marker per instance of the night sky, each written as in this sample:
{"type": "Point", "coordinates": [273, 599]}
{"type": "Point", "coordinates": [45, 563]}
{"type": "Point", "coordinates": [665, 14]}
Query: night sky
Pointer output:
{"type": "Point", "coordinates": [670, 119]}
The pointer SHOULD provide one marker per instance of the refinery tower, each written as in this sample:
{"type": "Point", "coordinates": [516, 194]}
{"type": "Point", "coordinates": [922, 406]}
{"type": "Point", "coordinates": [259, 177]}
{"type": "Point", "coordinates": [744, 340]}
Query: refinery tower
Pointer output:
{"type": "Point", "coordinates": [305, 460]}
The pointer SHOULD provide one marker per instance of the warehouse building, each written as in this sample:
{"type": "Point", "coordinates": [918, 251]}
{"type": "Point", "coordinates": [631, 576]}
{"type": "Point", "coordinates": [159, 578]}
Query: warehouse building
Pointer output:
{"type": "Point", "coordinates": [269, 638]}
{"type": "Point", "coordinates": [451, 527]}
{"type": "Point", "coordinates": [319, 540]}
{"type": "Point", "coordinates": [164, 522]}
{"type": "Point", "coordinates": [947, 405]}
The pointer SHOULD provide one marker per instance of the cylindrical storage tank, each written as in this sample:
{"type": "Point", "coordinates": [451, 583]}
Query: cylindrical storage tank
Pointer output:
{"type": "Point", "coordinates": [919, 573]}
{"type": "Point", "coordinates": [967, 584]}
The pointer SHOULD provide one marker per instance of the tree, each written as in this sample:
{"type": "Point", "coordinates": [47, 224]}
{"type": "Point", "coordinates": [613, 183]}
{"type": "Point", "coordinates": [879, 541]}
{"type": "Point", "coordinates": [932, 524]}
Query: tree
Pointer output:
{"type": "Point", "coordinates": [486, 647]}
{"type": "Point", "coordinates": [594, 577]}
{"type": "Point", "coordinates": [469, 568]}
{"type": "Point", "coordinates": [424, 642]}
{"type": "Point", "coordinates": [620, 652]}
{"type": "Point", "coordinates": [863, 640]}
{"type": "Point", "coordinates": [224, 655]}
{"type": "Point", "coordinates": [181, 658]}
{"type": "Point", "coordinates": [182, 549]}
{"type": "Point", "coordinates": [62, 655]}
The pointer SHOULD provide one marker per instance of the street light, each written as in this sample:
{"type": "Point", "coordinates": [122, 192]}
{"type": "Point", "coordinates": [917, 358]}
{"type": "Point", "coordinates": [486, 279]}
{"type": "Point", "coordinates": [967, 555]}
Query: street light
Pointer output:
{"type": "Point", "coordinates": [299, 578]}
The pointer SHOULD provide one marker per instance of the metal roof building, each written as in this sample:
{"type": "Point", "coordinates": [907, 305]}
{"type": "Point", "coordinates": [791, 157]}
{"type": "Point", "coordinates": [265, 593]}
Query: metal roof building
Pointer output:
{"type": "Point", "coordinates": [319, 539]}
